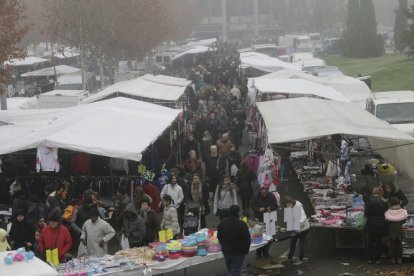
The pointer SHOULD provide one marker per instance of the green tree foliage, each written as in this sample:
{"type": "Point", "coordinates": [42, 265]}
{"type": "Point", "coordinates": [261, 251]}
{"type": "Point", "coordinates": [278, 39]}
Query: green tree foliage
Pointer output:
{"type": "Point", "coordinates": [409, 38]}
{"type": "Point", "coordinates": [400, 26]}
{"type": "Point", "coordinates": [361, 38]}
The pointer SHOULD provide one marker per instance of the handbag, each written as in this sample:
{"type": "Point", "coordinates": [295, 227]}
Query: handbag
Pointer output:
{"type": "Point", "coordinates": [361, 221]}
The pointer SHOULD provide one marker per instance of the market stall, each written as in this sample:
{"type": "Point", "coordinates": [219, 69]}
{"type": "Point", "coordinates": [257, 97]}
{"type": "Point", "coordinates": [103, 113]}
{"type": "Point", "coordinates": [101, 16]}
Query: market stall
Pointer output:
{"type": "Point", "coordinates": [158, 89]}
{"type": "Point", "coordinates": [324, 165]}
{"type": "Point", "coordinates": [33, 267]}
{"type": "Point", "coordinates": [159, 258]}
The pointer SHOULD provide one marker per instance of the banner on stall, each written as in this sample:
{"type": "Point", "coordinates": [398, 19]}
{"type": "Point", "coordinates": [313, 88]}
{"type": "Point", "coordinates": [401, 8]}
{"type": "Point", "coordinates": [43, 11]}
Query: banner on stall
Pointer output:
{"type": "Point", "coordinates": [148, 175]}
{"type": "Point", "coordinates": [141, 168]}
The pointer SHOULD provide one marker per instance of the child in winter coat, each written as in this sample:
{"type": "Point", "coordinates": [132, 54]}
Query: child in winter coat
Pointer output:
{"type": "Point", "coordinates": [170, 218]}
{"type": "Point", "coordinates": [4, 245]}
{"type": "Point", "coordinates": [395, 216]}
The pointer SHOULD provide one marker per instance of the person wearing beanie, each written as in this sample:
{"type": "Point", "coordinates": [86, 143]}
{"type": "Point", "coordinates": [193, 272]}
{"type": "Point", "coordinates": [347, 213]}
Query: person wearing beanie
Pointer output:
{"type": "Point", "coordinates": [22, 231]}
{"type": "Point", "coordinates": [52, 205]}
{"type": "Point", "coordinates": [122, 201]}
{"type": "Point", "coordinates": [96, 233]}
{"type": "Point", "coordinates": [234, 237]}
{"type": "Point", "coordinates": [263, 201]}
{"type": "Point", "coordinates": [4, 245]}
{"type": "Point", "coordinates": [55, 235]}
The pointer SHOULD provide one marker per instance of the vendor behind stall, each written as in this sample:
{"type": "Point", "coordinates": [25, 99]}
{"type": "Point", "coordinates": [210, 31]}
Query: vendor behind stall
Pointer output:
{"type": "Point", "coordinates": [263, 201]}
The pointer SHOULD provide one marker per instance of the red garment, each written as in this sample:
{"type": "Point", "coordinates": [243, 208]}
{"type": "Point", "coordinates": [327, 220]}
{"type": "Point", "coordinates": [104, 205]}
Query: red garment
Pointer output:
{"type": "Point", "coordinates": [48, 237]}
{"type": "Point", "coordinates": [81, 163]}
{"type": "Point", "coordinates": [154, 193]}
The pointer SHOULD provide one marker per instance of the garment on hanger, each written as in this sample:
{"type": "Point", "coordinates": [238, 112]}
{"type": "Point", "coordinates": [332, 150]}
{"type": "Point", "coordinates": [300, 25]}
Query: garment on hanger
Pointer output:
{"type": "Point", "coordinates": [119, 165]}
{"type": "Point", "coordinates": [47, 159]}
{"type": "Point", "coordinates": [81, 163]}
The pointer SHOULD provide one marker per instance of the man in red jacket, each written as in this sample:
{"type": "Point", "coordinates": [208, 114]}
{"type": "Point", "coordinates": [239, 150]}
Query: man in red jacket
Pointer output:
{"type": "Point", "coordinates": [55, 235]}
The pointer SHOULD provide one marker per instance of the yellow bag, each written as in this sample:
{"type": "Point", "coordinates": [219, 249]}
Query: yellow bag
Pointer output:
{"type": "Point", "coordinates": [68, 213]}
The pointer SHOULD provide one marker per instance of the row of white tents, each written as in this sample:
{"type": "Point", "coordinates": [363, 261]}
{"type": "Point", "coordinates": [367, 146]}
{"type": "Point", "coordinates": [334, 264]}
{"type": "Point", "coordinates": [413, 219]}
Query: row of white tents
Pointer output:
{"type": "Point", "coordinates": [105, 124]}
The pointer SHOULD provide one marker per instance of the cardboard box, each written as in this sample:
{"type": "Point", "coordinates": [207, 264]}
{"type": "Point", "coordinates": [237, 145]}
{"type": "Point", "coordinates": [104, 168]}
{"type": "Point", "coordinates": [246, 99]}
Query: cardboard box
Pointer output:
{"type": "Point", "coordinates": [267, 267]}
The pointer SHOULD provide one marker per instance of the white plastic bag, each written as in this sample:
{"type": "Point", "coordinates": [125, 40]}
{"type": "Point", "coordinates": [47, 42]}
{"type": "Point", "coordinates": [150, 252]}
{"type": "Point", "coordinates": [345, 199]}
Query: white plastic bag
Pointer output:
{"type": "Point", "coordinates": [233, 170]}
{"type": "Point", "coordinates": [124, 242]}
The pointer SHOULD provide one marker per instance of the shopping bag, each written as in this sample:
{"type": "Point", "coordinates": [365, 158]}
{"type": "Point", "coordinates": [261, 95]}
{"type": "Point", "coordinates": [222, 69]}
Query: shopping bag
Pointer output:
{"type": "Point", "coordinates": [162, 235]}
{"type": "Point", "coordinates": [52, 257]}
{"type": "Point", "coordinates": [169, 234]}
{"type": "Point", "coordinates": [124, 242]}
{"type": "Point", "coordinates": [361, 221]}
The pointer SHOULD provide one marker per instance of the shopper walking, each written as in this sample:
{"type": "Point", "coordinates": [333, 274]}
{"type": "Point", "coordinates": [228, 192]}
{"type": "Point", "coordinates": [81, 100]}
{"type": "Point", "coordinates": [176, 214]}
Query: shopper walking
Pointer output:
{"type": "Point", "coordinates": [376, 226]}
{"type": "Point", "coordinates": [302, 233]}
{"type": "Point", "coordinates": [134, 226]}
{"type": "Point", "coordinates": [170, 217]}
{"type": "Point", "coordinates": [234, 237]}
{"type": "Point", "coordinates": [22, 231]}
{"type": "Point", "coordinates": [96, 233]}
{"type": "Point", "coordinates": [225, 196]}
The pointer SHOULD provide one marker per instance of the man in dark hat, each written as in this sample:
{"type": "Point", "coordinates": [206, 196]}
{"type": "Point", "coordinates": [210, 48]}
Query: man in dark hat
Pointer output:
{"type": "Point", "coordinates": [96, 234]}
{"type": "Point", "coordinates": [234, 237]}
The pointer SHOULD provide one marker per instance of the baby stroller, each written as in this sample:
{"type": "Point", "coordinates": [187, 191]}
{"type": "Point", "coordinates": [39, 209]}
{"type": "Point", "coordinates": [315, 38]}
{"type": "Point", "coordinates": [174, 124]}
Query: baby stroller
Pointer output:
{"type": "Point", "coordinates": [191, 221]}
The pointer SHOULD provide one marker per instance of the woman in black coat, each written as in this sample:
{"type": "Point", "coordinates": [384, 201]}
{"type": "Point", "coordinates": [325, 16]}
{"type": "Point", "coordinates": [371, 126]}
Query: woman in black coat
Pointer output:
{"type": "Point", "coordinates": [376, 226]}
{"type": "Point", "coordinates": [22, 231]}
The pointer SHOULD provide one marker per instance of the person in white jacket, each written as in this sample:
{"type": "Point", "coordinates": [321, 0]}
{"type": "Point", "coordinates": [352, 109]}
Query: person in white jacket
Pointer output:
{"type": "Point", "coordinates": [177, 195]}
{"type": "Point", "coordinates": [96, 233]}
{"type": "Point", "coordinates": [302, 233]}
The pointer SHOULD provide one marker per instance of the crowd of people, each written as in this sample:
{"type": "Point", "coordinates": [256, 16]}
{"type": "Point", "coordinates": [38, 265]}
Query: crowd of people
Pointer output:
{"type": "Point", "coordinates": [212, 169]}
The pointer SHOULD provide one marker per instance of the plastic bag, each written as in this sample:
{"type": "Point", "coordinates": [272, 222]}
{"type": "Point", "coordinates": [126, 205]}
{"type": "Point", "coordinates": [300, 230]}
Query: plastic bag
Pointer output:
{"type": "Point", "coordinates": [124, 242]}
{"type": "Point", "coordinates": [361, 221]}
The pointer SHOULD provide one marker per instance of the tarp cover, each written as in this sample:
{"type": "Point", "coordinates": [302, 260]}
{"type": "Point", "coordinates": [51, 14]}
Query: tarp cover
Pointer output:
{"type": "Point", "coordinates": [119, 127]}
{"type": "Point", "coordinates": [194, 50]}
{"type": "Point", "coordinates": [152, 87]}
{"type": "Point", "coordinates": [298, 86]}
{"type": "Point", "coordinates": [301, 119]}
{"type": "Point", "coordinates": [50, 71]}
{"type": "Point", "coordinates": [265, 63]}
{"type": "Point", "coordinates": [352, 88]}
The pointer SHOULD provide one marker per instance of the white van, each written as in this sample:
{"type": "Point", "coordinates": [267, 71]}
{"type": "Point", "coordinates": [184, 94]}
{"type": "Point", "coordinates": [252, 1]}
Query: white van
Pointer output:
{"type": "Point", "coordinates": [395, 107]}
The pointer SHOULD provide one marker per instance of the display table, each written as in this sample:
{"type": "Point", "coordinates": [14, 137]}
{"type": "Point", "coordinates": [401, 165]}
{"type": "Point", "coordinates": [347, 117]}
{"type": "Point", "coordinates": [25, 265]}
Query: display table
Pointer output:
{"type": "Point", "coordinates": [35, 267]}
{"type": "Point", "coordinates": [174, 265]}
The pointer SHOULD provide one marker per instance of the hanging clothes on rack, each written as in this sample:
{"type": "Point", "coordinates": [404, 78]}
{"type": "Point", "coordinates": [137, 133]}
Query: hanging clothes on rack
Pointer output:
{"type": "Point", "coordinates": [47, 159]}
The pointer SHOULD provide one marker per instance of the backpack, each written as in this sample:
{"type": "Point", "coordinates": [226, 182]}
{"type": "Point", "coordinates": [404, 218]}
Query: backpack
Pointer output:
{"type": "Point", "coordinates": [190, 222]}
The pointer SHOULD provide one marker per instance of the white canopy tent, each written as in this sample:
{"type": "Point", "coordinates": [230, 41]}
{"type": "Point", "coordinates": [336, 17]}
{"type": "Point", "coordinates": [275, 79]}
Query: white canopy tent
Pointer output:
{"type": "Point", "coordinates": [193, 51]}
{"type": "Point", "coordinates": [351, 88]}
{"type": "Point", "coordinates": [265, 63]}
{"type": "Point", "coordinates": [203, 42]}
{"type": "Point", "coordinates": [301, 119]}
{"type": "Point", "coordinates": [298, 86]}
{"type": "Point", "coordinates": [119, 128]}
{"type": "Point", "coordinates": [51, 71]}
{"type": "Point", "coordinates": [159, 87]}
